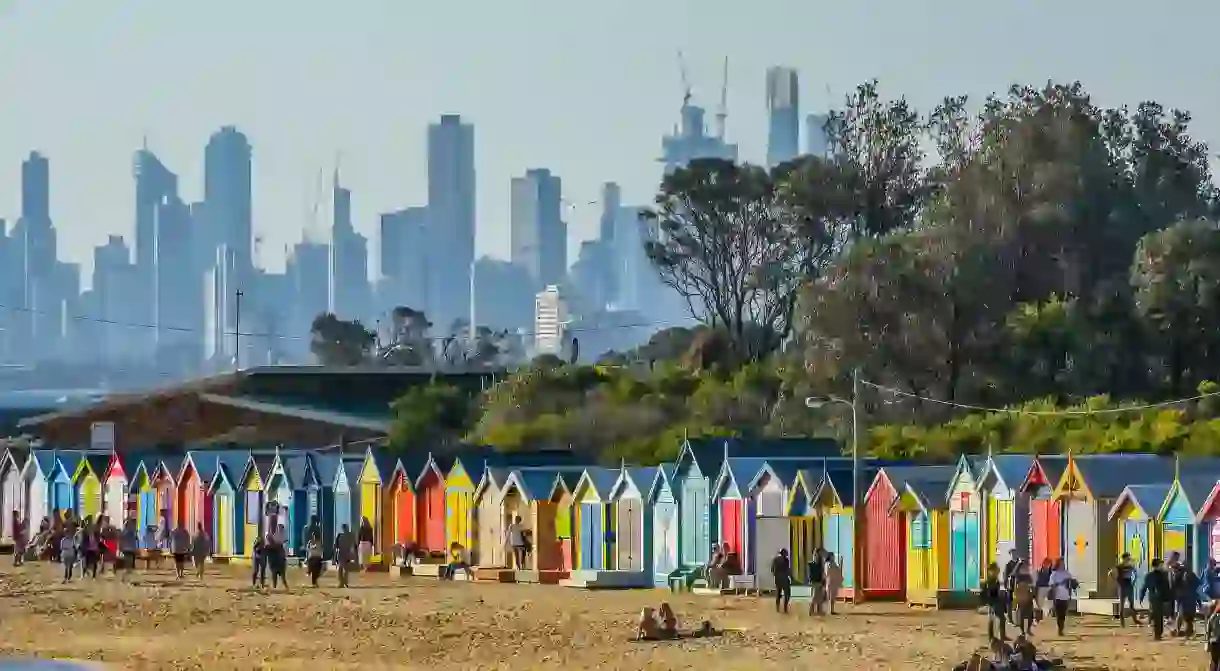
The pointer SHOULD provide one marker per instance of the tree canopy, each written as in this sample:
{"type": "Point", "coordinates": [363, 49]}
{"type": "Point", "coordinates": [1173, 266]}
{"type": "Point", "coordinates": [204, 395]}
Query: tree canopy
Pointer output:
{"type": "Point", "coordinates": [1045, 253]}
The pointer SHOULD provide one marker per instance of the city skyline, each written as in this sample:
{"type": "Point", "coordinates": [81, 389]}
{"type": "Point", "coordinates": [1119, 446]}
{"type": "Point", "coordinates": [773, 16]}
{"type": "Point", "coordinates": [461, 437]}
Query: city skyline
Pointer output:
{"type": "Point", "coordinates": [363, 84]}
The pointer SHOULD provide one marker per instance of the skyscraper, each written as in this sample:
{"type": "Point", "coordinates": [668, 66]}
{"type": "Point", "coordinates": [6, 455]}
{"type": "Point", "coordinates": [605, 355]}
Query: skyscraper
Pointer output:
{"type": "Point", "coordinates": [539, 236]}
{"type": "Point", "coordinates": [783, 115]}
{"type": "Point", "coordinates": [155, 186]}
{"type": "Point", "coordinates": [36, 188]}
{"type": "Point", "coordinates": [404, 259]}
{"type": "Point", "coordinates": [690, 141]}
{"type": "Point", "coordinates": [349, 276]}
{"type": "Point", "coordinates": [451, 219]}
{"type": "Point", "coordinates": [307, 268]}
{"type": "Point", "coordinates": [227, 195]}
{"type": "Point", "coordinates": [220, 287]}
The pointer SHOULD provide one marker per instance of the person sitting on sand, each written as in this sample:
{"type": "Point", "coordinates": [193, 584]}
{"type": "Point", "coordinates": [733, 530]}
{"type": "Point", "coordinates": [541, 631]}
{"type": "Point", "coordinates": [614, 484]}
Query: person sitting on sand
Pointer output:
{"type": "Point", "coordinates": [646, 630]}
{"type": "Point", "coordinates": [669, 622]}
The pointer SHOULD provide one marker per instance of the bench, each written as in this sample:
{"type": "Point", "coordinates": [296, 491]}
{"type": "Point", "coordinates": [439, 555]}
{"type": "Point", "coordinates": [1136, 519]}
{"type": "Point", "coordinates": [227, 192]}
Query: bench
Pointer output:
{"type": "Point", "coordinates": [149, 557]}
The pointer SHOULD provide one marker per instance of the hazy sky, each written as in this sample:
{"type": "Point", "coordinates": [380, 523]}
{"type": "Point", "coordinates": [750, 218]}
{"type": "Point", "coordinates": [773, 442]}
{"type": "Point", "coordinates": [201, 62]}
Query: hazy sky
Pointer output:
{"type": "Point", "coordinates": [584, 88]}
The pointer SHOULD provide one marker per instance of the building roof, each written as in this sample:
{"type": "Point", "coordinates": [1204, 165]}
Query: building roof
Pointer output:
{"type": "Point", "coordinates": [785, 469]}
{"type": "Point", "coordinates": [899, 476]}
{"type": "Point", "coordinates": [1010, 469]}
{"type": "Point", "coordinates": [535, 484]}
{"type": "Point", "coordinates": [740, 471]}
{"type": "Point", "coordinates": [370, 418]}
{"type": "Point", "coordinates": [327, 466]}
{"type": "Point", "coordinates": [99, 464]}
{"type": "Point", "coordinates": [351, 470]}
{"type": "Point", "coordinates": [69, 460]}
{"type": "Point", "coordinates": [1195, 490]}
{"type": "Point", "coordinates": [205, 463]}
{"type": "Point", "coordinates": [601, 479]}
{"type": "Point", "coordinates": [1105, 475]}
{"type": "Point", "coordinates": [296, 467]}
{"type": "Point", "coordinates": [1148, 498]}
{"type": "Point", "coordinates": [929, 486]}
{"type": "Point", "coordinates": [45, 461]}
{"type": "Point", "coordinates": [173, 465]}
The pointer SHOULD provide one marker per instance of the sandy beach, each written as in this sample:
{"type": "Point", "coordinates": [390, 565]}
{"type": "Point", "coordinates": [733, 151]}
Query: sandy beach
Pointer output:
{"type": "Point", "coordinates": [417, 623]}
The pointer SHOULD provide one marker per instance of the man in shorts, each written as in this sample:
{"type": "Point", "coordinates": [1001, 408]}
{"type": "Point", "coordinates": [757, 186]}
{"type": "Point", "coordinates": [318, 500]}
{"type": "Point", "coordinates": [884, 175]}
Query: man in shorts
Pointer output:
{"type": "Point", "coordinates": [180, 546]}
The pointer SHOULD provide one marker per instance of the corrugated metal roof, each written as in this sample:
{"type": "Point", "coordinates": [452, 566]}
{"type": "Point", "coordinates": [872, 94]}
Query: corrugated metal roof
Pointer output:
{"type": "Point", "coordinates": [1107, 474]}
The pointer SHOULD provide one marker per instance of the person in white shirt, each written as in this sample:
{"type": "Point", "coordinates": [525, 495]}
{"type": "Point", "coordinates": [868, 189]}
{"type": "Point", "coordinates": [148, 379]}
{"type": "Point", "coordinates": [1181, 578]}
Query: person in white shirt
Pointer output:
{"type": "Point", "coordinates": [515, 538]}
{"type": "Point", "coordinates": [1062, 585]}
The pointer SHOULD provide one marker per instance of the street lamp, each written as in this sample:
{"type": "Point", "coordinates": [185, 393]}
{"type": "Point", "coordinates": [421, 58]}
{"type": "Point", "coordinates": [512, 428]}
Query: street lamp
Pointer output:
{"type": "Point", "coordinates": [814, 402]}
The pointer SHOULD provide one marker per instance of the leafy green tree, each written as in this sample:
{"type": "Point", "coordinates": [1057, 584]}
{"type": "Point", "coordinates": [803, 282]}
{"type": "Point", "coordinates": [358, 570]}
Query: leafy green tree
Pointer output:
{"type": "Point", "coordinates": [430, 415]}
{"type": "Point", "coordinates": [335, 342]}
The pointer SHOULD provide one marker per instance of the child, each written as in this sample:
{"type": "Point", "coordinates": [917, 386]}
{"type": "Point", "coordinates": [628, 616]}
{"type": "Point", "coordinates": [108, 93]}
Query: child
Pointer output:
{"type": "Point", "coordinates": [646, 630]}
{"type": "Point", "coordinates": [1023, 600]}
{"type": "Point", "coordinates": [67, 554]}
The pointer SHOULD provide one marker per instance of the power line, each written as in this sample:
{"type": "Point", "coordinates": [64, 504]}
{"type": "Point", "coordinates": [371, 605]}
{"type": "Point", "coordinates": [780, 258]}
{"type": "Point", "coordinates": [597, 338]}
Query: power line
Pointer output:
{"type": "Point", "coordinates": [1045, 413]}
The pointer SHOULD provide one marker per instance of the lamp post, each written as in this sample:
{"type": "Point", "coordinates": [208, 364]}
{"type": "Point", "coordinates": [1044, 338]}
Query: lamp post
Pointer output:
{"type": "Point", "coordinates": [814, 402]}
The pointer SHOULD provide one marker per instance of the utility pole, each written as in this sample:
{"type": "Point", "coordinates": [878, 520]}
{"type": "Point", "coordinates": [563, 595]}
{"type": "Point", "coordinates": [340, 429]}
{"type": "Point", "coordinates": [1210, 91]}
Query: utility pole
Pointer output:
{"type": "Point", "coordinates": [237, 332]}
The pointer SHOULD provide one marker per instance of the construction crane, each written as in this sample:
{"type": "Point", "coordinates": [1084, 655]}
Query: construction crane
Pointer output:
{"type": "Point", "coordinates": [686, 90]}
{"type": "Point", "coordinates": [722, 114]}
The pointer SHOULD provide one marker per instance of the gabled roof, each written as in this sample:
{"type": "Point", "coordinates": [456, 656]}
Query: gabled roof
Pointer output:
{"type": "Point", "coordinates": [664, 477]}
{"type": "Point", "coordinates": [738, 471]}
{"type": "Point", "coordinates": [1009, 469]}
{"type": "Point", "coordinates": [437, 463]}
{"type": "Point", "coordinates": [1105, 475]}
{"type": "Point", "coordinates": [1148, 498]}
{"type": "Point", "coordinates": [492, 476]}
{"type": "Point", "coordinates": [967, 465]}
{"type": "Point", "coordinates": [640, 477]}
{"type": "Point", "coordinates": [385, 463]}
{"type": "Point", "coordinates": [601, 480]}
{"type": "Point", "coordinates": [1195, 489]}
{"type": "Point", "coordinates": [98, 464]}
{"type": "Point", "coordinates": [929, 486]}
{"type": "Point", "coordinates": [69, 460]}
{"type": "Point", "coordinates": [230, 465]}
{"type": "Point", "coordinates": [710, 453]}
{"type": "Point", "coordinates": [327, 467]}
{"type": "Point", "coordinates": [297, 467]}
{"type": "Point", "coordinates": [568, 479]}
{"type": "Point", "coordinates": [44, 461]}
{"type": "Point", "coordinates": [172, 465]}
{"type": "Point", "coordinates": [351, 470]}
{"type": "Point", "coordinates": [898, 476]}
{"type": "Point", "coordinates": [785, 469]}
{"type": "Point", "coordinates": [535, 484]}
{"type": "Point", "coordinates": [205, 463]}
{"type": "Point", "coordinates": [131, 462]}
{"type": "Point", "coordinates": [17, 457]}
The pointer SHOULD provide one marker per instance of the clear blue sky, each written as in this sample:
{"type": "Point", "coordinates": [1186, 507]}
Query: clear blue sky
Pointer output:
{"type": "Point", "coordinates": [584, 88]}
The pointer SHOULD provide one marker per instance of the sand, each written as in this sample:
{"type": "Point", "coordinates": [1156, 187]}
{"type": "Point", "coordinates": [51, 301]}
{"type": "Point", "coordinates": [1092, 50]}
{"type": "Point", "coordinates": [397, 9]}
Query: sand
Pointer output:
{"type": "Point", "coordinates": [418, 623]}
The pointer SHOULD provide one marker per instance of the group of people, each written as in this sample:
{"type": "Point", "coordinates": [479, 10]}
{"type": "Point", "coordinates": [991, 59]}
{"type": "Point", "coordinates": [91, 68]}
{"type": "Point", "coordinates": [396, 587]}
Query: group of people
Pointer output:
{"type": "Point", "coordinates": [822, 573]}
{"type": "Point", "coordinates": [1021, 596]}
{"type": "Point", "coordinates": [93, 543]}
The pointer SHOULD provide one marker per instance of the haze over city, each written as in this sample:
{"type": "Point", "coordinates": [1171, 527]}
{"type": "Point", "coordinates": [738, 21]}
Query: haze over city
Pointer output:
{"type": "Point", "coordinates": [533, 107]}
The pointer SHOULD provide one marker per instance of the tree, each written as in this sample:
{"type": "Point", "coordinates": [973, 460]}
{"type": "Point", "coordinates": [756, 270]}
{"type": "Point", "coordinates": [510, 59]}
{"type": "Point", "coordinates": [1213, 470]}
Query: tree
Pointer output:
{"type": "Point", "coordinates": [336, 342]}
{"type": "Point", "coordinates": [724, 244]}
{"type": "Point", "coordinates": [430, 415]}
{"type": "Point", "coordinates": [410, 343]}
{"type": "Point", "coordinates": [1176, 276]}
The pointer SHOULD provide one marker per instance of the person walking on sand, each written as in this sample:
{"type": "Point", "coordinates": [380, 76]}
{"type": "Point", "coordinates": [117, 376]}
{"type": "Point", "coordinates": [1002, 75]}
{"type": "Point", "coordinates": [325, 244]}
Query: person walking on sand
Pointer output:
{"type": "Point", "coordinates": [129, 547]}
{"type": "Point", "coordinates": [1186, 597]}
{"type": "Point", "coordinates": [1010, 575]}
{"type": "Point", "coordinates": [344, 553]}
{"type": "Point", "coordinates": [834, 580]}
{"type": "Point", "coordinates": [781, 570]}
{"type": "Point", "coordinates": [816, 572]}
{"type": "Point", "coordinates": [201, 549]}
{"type": "Point", "coordinates": [1159, 597]}
{"type": "Point", "coordinates": [258, 579]}
{"type": "Point", "coordinates": [1042, 590]}
{"type": "Point", "coordinates": [364, 547]}
{"type": "Point", "coordinates": [313, 557]}
{"type": "Point", "coordinates": [180, 547]}
{"type": "Point", "coordinates": [277, 556]}
{"type": "Point", "coordinates": [91, 548]}
{"type": "Point", "coordinates": [312, 528]}
{"type": "Point", "coordinates": [992, 595]}
{"type": "Point", "coordinates": [1062, 586]}
{"type": "Point", "coordinates": [1123, 575]}
{"type": "Point", "coordinates": [1023, 600]}
{"type": "Point", "coordinates": [67, 554]}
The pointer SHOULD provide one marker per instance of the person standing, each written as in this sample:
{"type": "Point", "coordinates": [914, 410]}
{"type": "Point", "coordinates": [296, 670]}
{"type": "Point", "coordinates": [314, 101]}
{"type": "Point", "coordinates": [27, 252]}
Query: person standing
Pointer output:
{"type": "Point", "coordinates": [201, 549]}
{"type": "Point", "coordinates": [258, 578]}
{"type": "Point", "coordinates": [1212, 636]}
{"type": "Point", "coordinates": [514, 538]}
{"type": "Point", "coordinates": [313, 557]}
{"type": "Point", "coordinates": [996, 603]}
{"type": "Point", "coordinates": [344, 552]}
{"type": "Point", "coordinates": [277, 556]}
{"type": "Point", "coordinates": [91, 548]}
{"type": "Point", "coordinates": [1159, 597]}
{"type": "Point", "coordinates": [1010, 576]}
{"type": "Point", "coordinates": [1186, 598]}
{"type": "Point", "coordinates": [180, 548]}
{"type": "Point", "coordinates": [1042, 590]}
{"type": "Point", "coordinates": [1124, 578]}
{"type": "Point", "coordinates": [781, 570]}
{"type": "Point", "coordinates": [1062, 586]}
{"type": "Point", "coordinates": [366, 543]}
{"type": "Point", "coordinates": [129, 547]}
{"type": "Point", "coordinates": [67, 554]}
{"type": "Point", "coordinates": [817, 582]}
{"type": "Point", "coordinates": [834, 580]}
{"type": "Point", "coordinates": [313, 528]}
{"type": "Point", "coordinates": [1211, 580]}
{"type": "Point", "coordinates": [19, 539]}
